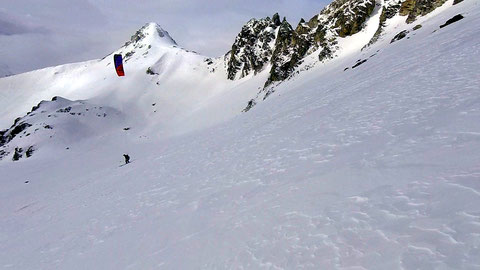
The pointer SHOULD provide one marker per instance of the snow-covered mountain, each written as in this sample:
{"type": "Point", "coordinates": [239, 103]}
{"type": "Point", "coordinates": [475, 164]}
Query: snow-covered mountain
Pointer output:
{"type": "Point", "coordinates": [363, 156]}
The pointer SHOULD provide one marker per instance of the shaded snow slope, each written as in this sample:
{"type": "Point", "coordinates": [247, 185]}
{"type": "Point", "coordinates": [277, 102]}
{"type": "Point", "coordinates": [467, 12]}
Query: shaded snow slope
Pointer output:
{"type": "Point", "coordinates": [374, 167]}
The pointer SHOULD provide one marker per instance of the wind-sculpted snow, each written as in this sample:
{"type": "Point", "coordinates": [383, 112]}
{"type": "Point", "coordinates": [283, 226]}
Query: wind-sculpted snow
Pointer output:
{"type": "Point", "coordinates": [376, 167]}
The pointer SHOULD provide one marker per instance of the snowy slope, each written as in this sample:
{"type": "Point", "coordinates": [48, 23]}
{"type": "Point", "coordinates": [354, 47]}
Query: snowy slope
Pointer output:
{"type": "Point", "coordinates": [183, 82]}
{"type": "Point", "coordinates": [374, 167]}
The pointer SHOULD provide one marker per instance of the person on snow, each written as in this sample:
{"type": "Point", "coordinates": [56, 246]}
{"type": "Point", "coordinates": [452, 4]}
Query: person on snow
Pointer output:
{"type": "Point", "coordinates": [127, 158]}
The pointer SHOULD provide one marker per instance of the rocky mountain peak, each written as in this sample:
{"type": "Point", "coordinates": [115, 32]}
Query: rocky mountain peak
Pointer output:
{"type": "Point", "coordinates": [339, 19]}
{"type": "Point", "coordinates": [253, 47]}
{"type": "Point", "coordinates": [276, 19]}
{"type": "Point", "coordinates": [151, 34]}
{"type": "Point", "coordinates": [347, 17]}
{"type": "Point", "coordinates": [271, 42]}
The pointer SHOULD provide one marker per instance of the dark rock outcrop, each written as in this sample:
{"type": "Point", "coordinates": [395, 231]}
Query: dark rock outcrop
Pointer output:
{"type": "Point", "coordinates": [399, 36]}
{"type": "Point", "coordinates": [7, 135]}
{"type": "Point", "coordinates": [359, 62]}
{"type": "Point", "coordinates": [414, 8]}
{"type": "Point", "coordinates": [253, 47]}
{"type": "Point", "coordinates": [454, 19]}
{"type": "Point", "coordinates": [18, 154]}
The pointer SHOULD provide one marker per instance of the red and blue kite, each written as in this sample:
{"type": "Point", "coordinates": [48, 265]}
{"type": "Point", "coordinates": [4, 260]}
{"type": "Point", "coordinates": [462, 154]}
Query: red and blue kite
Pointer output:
{"type": "Point", "coordinates": [117, 58]}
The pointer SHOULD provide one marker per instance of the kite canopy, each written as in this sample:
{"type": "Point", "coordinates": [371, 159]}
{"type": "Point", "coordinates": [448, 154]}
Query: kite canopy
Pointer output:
{"type": "Point", "coordinates": [117, 58]}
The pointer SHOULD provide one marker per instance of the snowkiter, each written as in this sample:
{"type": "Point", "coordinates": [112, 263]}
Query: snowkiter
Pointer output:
{"type": "Point", "coordinates": [127, 158]}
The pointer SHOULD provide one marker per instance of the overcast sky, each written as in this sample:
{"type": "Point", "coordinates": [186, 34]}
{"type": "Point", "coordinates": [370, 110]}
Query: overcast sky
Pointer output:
{"type": "Point", "coordinates": [41, 33]}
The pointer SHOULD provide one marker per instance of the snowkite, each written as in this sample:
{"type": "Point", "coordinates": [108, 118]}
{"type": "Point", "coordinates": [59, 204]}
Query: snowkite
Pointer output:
{"type": "Point", "coordinates": [117, 59]}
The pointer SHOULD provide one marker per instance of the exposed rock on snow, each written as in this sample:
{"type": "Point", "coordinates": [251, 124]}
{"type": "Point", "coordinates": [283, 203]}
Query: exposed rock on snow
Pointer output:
{"type": "Point", "coordinates": [73, 120]}
{"type": "Point", "coordinates": [414, 8]}
{"type": "Point", "coordinates": [399, 36]}
{"type": "Point", "coordinates": [454, 19]}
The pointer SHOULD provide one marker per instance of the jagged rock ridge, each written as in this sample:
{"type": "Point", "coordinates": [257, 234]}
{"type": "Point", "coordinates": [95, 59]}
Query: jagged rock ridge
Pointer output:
{"type": "Point", "coordinates": [339, 19]}
{"type": "Point", "coordinates": [269, 43]}
{"type": "Point", "coordinates": [253, 47]}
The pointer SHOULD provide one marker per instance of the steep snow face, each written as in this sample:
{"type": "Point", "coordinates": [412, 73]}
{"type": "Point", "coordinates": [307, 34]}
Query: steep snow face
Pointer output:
{"type": "Point", "coordinates": [354, 43]}
{"type": "Point", "coordinates": [371, 167]}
